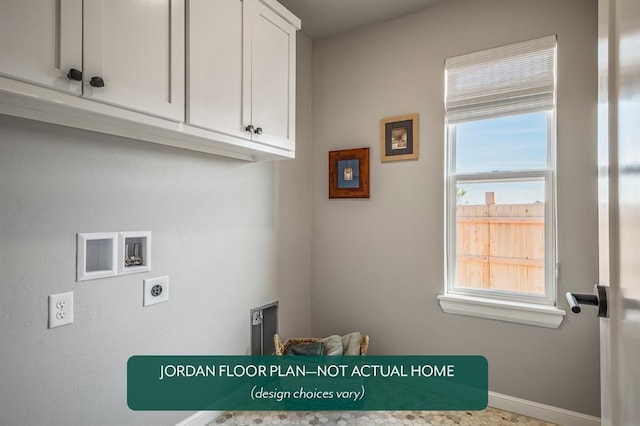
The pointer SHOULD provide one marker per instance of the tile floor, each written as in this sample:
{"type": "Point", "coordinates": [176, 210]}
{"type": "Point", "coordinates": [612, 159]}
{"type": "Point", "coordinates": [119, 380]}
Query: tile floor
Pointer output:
{"type": "Point", "coordinates": [488, 417]}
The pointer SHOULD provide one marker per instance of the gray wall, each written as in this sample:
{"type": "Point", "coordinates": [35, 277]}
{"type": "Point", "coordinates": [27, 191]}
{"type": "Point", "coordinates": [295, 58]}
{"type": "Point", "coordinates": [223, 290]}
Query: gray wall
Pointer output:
{"type": "Point", "coordinates": [378, 263]}
{"type": "Point", "coordinates": [231, 235]}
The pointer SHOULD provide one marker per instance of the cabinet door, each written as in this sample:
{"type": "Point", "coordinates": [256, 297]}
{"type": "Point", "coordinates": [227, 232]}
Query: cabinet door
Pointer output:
{"type": "Point", "coordinates": [40, 40]}
{"type": "Point", "coordinates": [269, 75]}
{"type": "Point", "coordinates": [214, 79]}
{"type": "Point", "coordinates": [137, 48]}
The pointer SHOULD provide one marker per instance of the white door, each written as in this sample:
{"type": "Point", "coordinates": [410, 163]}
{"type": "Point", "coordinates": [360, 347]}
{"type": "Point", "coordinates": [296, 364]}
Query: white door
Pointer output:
{"type": "Point", "coordinates": [134, 55]}
{"type": "Point", "coordinates": [40, 41]}
{"type": "Point", "coordinates": [269, 75]}
{"type": "Point", "coordinates": [215, 66]}
{"type": "Point", "coordinates": [619, 193]}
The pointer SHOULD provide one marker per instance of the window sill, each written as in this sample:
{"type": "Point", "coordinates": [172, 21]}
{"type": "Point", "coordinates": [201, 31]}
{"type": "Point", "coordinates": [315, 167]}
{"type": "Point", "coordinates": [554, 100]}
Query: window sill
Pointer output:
{"type": "Point", "coordinates": [523, 313]}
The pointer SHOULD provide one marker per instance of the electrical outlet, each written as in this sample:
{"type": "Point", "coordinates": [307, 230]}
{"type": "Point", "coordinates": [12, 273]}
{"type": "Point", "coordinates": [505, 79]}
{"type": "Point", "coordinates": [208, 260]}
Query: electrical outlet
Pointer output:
{"type": "Point", "coordinates": [60, 309]}
{"type": "Point", "coordinates": [156, 290]}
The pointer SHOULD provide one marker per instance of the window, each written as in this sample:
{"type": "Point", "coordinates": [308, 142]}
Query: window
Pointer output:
{"type": "Point", "coordinates": [500, 123]}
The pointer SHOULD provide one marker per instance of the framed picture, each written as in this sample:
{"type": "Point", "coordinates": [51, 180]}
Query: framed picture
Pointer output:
{"type": "Point", "coordinates": [399, 138]}
{"type": "Point", "coordinates": [349, 173]}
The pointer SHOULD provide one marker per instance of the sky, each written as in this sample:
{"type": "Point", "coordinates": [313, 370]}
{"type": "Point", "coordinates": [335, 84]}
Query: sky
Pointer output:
{"type": "Point", "coordinates": [511, 143]}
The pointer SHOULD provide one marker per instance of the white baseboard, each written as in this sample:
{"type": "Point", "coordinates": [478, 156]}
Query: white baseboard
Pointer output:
{"type": "Point", "coordinates": [200, 418]}
{"type": "Point", "coordinates": [544, 412]}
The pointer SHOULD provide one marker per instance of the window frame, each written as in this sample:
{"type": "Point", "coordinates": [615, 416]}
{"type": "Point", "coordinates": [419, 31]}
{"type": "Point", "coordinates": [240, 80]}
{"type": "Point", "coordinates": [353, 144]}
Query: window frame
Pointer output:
{"type": "Point", "coordinates": [547, 175]}
{"type": "Point", "coordinates": [512, 306]}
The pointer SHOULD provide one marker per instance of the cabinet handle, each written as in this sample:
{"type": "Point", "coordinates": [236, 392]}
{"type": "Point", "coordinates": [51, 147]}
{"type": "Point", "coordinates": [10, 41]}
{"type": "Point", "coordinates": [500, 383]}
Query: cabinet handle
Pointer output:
{"type": "Point", "coordinates": [250, 128]}
{"type": "Point", "coordinates": [74, 74]}
{"type": "Point", "coordinates": [258, 131]}
{"type": "Point", "coordinates": [96, 82]}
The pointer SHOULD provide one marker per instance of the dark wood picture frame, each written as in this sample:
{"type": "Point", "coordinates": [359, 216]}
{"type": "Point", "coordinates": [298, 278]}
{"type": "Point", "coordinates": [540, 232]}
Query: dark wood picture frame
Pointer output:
{"type": "Point", "coordinates": [399, 138]}
{"type": "Point", "coordinates": [349, 173]}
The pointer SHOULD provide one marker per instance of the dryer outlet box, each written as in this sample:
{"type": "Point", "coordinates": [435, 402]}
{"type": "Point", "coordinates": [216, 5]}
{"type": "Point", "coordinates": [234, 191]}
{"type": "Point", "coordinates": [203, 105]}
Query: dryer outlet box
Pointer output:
{"type": "Point", "coordinates": [156, 290]}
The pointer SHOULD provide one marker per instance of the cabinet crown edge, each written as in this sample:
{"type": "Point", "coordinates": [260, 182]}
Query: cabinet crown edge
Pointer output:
{"type": "Point", "coordinates": [283, 12]}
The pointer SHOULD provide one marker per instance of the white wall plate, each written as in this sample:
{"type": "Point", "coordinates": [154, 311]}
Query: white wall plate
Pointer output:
{"type": "Point", "coordinates": [156, 290]}
{"type": "Point", "coordinates": [60, 309]}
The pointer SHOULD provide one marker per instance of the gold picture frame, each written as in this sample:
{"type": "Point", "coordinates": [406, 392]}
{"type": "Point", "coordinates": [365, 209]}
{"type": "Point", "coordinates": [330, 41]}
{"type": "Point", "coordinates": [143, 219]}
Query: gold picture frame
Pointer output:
{"type": "Point", "coordinates": [399, 138]}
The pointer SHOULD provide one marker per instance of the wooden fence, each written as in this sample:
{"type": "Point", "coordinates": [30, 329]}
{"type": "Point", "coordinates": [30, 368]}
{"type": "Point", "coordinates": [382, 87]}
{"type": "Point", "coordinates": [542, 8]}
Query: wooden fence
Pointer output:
{"type": "Point", "coordinates": [501, 247]}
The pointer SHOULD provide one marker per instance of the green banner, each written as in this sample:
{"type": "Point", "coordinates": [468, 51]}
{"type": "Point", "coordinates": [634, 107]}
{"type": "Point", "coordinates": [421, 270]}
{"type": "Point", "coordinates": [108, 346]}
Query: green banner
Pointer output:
{"type": "Point", "coordinates": [301, 383]}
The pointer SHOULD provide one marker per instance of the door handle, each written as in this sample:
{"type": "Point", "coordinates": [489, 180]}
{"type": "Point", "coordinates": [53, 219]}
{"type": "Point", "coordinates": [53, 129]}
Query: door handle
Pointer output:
{"type": "Point", "coordinates": [598, 299]}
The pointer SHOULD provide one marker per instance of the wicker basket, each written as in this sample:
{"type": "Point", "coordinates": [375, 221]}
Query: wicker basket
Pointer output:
{"type": "Point", "coordinates": [281, 348]}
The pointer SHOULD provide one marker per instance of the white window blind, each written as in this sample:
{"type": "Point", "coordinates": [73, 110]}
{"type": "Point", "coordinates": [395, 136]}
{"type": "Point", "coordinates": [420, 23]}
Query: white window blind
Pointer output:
{"type": "Point", "coordinates": [517, 78]}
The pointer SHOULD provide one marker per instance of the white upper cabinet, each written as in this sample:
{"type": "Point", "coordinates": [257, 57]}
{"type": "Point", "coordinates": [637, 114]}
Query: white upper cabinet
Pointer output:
{"type": "Point", "coordinates": [128, 53]}
{"type": "Point", "coordinates": [134, 55]}
{"type": "Point", "coordinates": [121, 67]}
{"type": "Point", "coordinates": [269, 77]}
{"type": "Point", "coordinates": [241, 78]}
{"type": "Point", "coordinates": [41, 41]}
{"type": "Point", "coordinates": [214, 83]}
